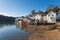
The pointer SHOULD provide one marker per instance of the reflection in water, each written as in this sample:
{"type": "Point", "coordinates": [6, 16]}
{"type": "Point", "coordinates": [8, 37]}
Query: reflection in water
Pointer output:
{"type": "Point", "coordinates": [11, 32]}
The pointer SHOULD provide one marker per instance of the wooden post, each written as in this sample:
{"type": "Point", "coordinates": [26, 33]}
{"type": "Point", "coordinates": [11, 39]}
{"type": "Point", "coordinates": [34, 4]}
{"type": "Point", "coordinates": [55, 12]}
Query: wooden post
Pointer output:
{"type": "Point", "coordinates": [36, 26]}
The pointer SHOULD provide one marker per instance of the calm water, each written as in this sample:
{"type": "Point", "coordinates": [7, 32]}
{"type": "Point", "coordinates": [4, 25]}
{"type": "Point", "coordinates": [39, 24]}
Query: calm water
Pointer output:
{"type": "Point", "coordinates": [11, 32]}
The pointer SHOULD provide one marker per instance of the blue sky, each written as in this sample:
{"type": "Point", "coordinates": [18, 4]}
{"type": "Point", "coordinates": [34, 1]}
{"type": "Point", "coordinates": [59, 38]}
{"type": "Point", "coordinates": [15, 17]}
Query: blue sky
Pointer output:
{"type": "Point", "coordinates": [24, 7]}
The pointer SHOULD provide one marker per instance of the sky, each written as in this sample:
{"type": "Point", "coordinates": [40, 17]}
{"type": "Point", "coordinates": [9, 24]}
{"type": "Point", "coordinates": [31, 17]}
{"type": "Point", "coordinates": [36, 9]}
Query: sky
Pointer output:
{"type": "Point", "coordinates": [17, 8]}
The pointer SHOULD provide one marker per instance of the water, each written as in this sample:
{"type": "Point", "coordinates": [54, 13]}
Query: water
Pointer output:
{"type": "Point", "coordinates": [11, 32]}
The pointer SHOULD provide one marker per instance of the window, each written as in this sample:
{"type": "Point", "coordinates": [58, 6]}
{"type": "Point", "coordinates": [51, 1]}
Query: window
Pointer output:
{"type": "Point", "coordinates": [51, 18]}
{"type": "Point", "coordinates": [52, 14]}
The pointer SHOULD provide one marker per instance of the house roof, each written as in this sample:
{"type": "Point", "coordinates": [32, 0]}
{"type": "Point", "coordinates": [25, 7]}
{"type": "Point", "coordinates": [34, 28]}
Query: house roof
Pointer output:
{"type": "Point", "coordinates": [48, 12]}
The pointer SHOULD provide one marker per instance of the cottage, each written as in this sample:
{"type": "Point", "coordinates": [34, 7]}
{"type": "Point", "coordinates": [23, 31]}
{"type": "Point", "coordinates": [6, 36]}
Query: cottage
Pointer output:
{"type": "Point", "coordinates": [51, 17]}
{"type": "Point", "coordinates": [38, 17]}
{"type": "Point", "coordinates": [18, 21]}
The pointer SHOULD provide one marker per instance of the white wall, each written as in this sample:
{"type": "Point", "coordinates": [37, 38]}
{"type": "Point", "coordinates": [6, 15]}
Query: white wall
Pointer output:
{"type": "Point", "coordinates": [38, 17]}
{"type": "Point", "coordinates": [49, 16]}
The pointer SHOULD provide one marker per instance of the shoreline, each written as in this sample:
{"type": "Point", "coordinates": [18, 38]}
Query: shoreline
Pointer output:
{"type": "Point", "coordinates": [43, 32]}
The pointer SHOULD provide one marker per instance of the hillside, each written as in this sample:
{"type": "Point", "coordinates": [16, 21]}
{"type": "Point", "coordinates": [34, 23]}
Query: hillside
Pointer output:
{"type": "Point", "coordinates": [6, 19]}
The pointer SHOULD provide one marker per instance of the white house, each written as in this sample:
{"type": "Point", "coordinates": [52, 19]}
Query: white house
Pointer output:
{"type": "Point", "coordinates": [51, 17]}
{"type": "Point", "coordinates": [17, 20]}
{"type": "Point", "coordinates": [38, 17]}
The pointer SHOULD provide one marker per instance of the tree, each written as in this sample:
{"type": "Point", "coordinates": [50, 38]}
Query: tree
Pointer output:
{"type": "Point", "coordinates": [33, 12]}
{"type": "Point", "coordinates": [22, 16]}
{"type": "Point", "coordinates": [56, 9]}
{"type": "Point", "coordinates": [40, 12]}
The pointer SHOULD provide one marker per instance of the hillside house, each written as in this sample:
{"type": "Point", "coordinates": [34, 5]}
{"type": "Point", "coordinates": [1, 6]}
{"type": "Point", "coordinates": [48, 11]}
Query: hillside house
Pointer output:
{"type": "Point", "coordinates": [51, 17]}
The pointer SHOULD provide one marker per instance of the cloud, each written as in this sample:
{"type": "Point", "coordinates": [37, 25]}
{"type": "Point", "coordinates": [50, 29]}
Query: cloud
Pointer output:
{"type": "Point", "coordinates": [5, 14]}
{"type": "Point", "coordinates": [11, 14]}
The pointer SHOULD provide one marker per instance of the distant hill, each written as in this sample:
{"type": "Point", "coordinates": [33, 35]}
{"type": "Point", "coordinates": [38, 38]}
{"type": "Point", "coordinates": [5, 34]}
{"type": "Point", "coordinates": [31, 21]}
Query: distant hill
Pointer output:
{"type": "Point", "coordinates": [6, 19]}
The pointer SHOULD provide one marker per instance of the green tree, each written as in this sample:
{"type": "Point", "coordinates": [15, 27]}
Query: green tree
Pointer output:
{"type": "Point", "coordinates": [40, 12]}
{"type": "Point", "coordinates": [56, 9]}
{"type": "Point", "coordinates": [22, 16]}
{"type": "Point", "coordinates": [33, 12]}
